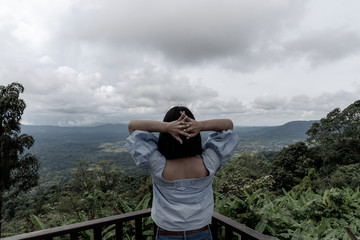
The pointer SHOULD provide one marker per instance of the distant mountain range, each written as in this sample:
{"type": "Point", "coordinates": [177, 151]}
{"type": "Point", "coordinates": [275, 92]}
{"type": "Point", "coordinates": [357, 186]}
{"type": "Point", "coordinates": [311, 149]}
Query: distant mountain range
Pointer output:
{"type": "Point", "coordinates": [55, 134]}
{"type": "Point", "coordinates": [291, 131]}
{"type": "Point", "coordinates": [59, 148]}
{"type": "Point", "coordinates": [286, 134]}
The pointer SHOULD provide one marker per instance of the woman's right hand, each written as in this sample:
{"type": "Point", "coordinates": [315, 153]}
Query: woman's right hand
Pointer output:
{"type": "Point", "coordinates": [176, 128]}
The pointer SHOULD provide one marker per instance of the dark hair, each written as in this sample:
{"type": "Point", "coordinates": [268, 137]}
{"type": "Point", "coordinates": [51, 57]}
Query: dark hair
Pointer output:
{"type": "Point", "coordinates": [170, 147]}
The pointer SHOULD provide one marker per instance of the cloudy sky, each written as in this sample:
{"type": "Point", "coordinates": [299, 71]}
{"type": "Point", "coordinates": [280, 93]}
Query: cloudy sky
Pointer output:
{"type": "Point", "coordinates": [108, 61]}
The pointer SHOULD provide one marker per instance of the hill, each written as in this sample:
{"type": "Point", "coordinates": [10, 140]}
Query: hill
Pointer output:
{"type": "Point", "coordinates": [272, 138]}
{"type": "Point", "coordinates": [291, 131]}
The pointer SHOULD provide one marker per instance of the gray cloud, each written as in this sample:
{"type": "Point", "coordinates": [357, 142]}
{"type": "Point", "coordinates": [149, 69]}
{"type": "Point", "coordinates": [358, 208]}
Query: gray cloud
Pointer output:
{"type": "Point", "coordinates": [269, 102]}
{"type": "Point", "coordinates": [84, 98]}
{"type": "Point", "coordinates": [110, 61]}
{"type": "Point", "coordinates": [239, 35]}
{"type": "Point", "coordinates": [300, 107]}
{"type": "Point", "coordinates": [185, 31]}
{"type": "Point", "coordinates": [326, 45]}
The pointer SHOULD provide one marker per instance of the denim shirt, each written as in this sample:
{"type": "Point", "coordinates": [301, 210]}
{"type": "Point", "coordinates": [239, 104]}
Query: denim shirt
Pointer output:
{"type": "Point", "coordinates": [184, 204]}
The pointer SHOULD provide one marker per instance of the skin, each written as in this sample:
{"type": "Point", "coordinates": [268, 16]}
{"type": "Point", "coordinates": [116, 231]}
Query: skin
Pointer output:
{"type": "Point", "coordinates": [182, 168]}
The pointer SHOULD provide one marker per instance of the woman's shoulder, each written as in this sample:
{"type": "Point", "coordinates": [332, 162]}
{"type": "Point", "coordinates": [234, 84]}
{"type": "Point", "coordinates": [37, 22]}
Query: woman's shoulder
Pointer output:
{"type": "Point", "coordinates": [141, 145]}
{"type": "Point", "coordinates": [220, 146]}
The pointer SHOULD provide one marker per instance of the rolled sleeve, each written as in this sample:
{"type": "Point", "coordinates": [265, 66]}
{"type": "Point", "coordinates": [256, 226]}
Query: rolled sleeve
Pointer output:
{"type": "Point", "coordinates": [223, 144]}
{"type": "Point", "coordinates": [141, 145]}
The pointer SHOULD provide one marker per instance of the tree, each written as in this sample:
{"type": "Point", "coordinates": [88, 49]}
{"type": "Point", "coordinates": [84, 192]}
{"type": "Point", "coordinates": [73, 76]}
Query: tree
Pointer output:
{"type": "Point", "coordinates": [92, 186]}
{"type": "Point", "coordinates": [249, 171]}
{"type": "Point", "coordinates": [337, 136]}
{"type": "Point", "coordinates": [292, 164]}
{"type": "Point", "coordinates": [18, 168]}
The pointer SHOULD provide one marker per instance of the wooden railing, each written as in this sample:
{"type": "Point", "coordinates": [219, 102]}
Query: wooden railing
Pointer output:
{"type": "Point", "coordinates": [232, 227]}
{"type": "Point", "coordinates": [73, 231]}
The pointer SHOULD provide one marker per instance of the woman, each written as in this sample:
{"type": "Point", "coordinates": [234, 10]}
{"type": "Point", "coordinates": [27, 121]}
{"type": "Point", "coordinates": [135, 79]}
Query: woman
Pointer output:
{"type": "Point", "coordinates": [182, 170]}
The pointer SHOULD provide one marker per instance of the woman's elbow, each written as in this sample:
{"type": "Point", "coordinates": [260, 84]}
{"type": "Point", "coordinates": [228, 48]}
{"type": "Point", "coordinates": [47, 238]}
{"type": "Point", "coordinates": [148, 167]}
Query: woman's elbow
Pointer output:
{"type": "Point", "coordinates": [131, 127]}
{"type": "Point", "coordinates": [231, 125]}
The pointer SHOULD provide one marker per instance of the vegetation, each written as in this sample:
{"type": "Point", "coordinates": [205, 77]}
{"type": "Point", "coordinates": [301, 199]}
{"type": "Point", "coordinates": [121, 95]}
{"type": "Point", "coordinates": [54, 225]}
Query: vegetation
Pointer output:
{"type": "Point", "coordinates": [307, 189]}
{"type": "Point", "coordinates": [18, 169]}
{"type": "Point", "coordinates": [336, 137]}
{"type": "Point", "coordinates": [304, 215]}
{"type": "Point", "coordinates": [292, 164]}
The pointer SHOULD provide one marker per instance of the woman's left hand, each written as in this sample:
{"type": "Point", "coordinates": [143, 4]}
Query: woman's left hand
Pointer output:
{"type": "Point", "coordinates": [192, 128]}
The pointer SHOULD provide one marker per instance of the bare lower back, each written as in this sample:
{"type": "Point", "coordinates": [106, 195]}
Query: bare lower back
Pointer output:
{"type": "Point", "coordinates": [184, 168]}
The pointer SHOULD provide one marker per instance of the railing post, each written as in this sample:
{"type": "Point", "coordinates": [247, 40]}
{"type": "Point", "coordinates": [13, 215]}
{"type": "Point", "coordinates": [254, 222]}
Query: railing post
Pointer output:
{"type": "Point", "coordinates": [119, 231]}
{"type": "Point", "coordinates": [228, 233]}
{"type": "Point", "coordinates": [97, 233]}
{"type": "Point", "coordinates": [138, 228]}
{"type": "Point", "coordinates": [154, 230]}
{"type": "Point", "coordinates": [74, 236]}
{"type": "Point", "coordinates": [214, 228]}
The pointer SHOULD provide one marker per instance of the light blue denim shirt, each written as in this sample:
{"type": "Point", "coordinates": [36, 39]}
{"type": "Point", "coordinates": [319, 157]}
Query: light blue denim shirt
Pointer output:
{"type": "Point", "coordinates": [184, 204]}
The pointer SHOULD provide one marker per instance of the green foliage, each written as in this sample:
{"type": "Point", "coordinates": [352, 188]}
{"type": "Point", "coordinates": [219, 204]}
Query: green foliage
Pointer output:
{"type": "Point", "coordinates": [333, 143]}
{"type": "Point", "coordinates": [305, 215]}
{"type": "Point", "coordinates": [337, 136]}
{"type": "Point", "coordinates": [247, 171]}
{"type": "Point", "coordinates": [145, 203]}
{"type": "Point", "coordinates": [18, 168]}
{"type": "Point", "coordinates": [90, 189]}
{"type": "Point", "coordinates": [39, 225]}
{"type": "Point", "coordinates": [292, 164]}
{"type": "Point", "coordinates": [342, 176]}
{"type": "Point", "coordinates": [312, 181]}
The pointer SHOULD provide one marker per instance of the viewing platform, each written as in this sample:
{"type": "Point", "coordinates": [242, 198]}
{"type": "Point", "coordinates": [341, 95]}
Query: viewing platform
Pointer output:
{"type": "Point", "coordinates": [222, 228]}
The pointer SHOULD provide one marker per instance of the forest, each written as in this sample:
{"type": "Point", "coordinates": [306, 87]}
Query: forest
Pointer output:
{"type": "Point", "coordinates": [296, 181]}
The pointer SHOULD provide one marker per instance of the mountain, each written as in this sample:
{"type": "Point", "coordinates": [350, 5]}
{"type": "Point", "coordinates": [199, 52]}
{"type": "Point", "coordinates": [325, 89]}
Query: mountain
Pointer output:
{"type": "Point", "coordinates": [291, 131]}
{"type": "Point", "coordinates": [272, 138]}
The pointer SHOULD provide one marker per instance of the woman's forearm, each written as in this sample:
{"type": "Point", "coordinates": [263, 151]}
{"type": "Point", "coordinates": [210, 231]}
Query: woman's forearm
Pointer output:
{"type": "Point", "coordinates": [147, 125]}
{"type": "Point", "coordinates": [183, 126]}
{"type": "Point", "coordinates": [216, 125]}
{"type": "Point", "coordinates": [175, 128]}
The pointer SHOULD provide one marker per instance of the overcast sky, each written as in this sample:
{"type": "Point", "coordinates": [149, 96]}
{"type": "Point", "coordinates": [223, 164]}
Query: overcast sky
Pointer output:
{"type": "Point", "coordinates": [108, 61]}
